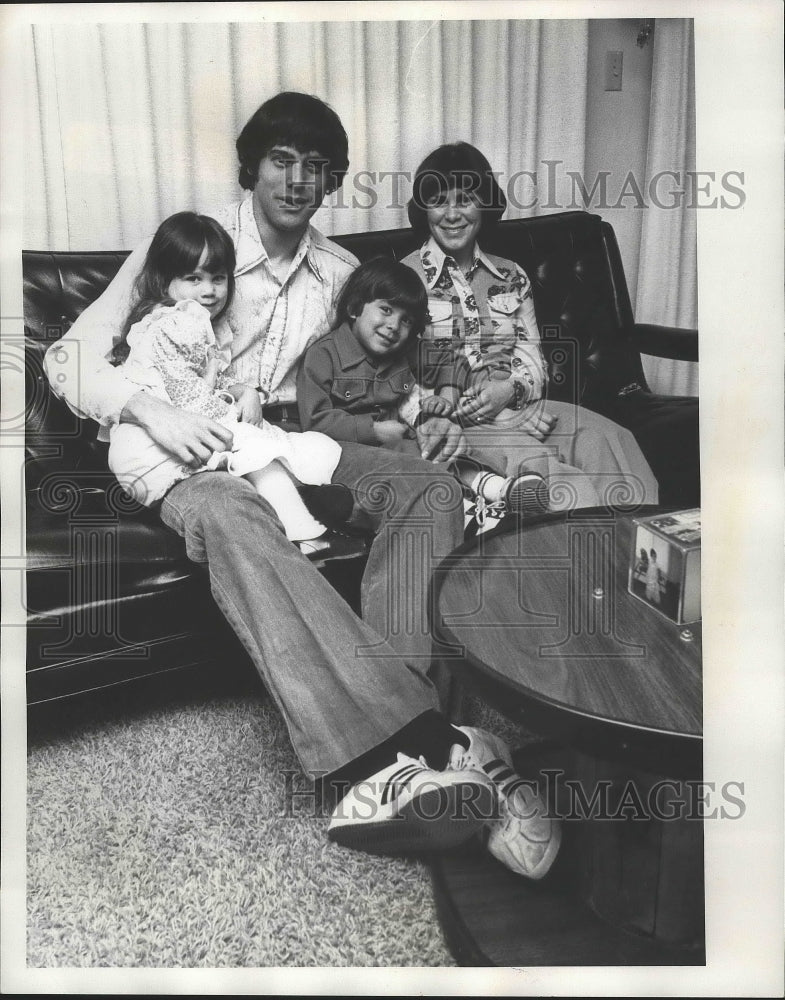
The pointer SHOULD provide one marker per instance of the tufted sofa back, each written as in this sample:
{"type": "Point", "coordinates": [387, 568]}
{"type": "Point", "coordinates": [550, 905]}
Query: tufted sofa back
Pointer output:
{"type": "Point", "coordinates": [572, 259]}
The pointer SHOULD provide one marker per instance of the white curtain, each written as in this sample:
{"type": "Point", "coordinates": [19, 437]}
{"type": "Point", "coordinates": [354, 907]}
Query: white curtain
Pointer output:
{"type": "Point", "coordinates": [667, 287]}
{"type": "Point", "coordinates": [128, 123]}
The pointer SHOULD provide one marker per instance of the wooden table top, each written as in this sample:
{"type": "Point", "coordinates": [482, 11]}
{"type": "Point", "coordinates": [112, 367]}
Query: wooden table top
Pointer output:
{"type": "Point", "coordinates": [545, 610]}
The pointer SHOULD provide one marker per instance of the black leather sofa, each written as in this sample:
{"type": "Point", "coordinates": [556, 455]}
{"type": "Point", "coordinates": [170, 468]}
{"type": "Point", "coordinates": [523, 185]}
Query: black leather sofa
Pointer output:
{"type": "Point", "coordinates": [111, 595]}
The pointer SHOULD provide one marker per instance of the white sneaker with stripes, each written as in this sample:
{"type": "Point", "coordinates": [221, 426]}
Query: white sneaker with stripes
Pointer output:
{"type": "Point", "coordinates": [408, 806]}
{"type": "Point", "coordinates": [523, 837]}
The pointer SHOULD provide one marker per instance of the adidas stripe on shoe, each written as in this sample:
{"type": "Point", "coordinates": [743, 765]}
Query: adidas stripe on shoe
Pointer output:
{"type": "Point", "coordinates": [408, 806]}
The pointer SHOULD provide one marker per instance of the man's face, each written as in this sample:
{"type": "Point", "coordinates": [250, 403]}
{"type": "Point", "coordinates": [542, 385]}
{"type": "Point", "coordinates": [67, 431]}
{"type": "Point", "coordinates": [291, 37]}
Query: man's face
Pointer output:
{"type": "Point", "coordinates": [290, 187]}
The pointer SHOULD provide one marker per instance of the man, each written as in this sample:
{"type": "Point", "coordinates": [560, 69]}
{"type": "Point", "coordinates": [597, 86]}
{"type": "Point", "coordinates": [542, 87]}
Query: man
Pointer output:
{"type": "Point", "coordinates": [357, 707]}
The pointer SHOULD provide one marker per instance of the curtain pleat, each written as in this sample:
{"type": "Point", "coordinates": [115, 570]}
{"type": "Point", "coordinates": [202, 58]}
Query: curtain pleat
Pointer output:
{"type": "Point", "coordinates": [667, 287]}
{"type": "Point", "coordinates": [129, 123]}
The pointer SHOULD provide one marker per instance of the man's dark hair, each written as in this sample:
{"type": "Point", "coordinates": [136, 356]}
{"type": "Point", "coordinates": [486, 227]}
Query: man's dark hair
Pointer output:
{"type": "Point", "coordinates": [384, 278]}
{"type": "Point", "coordinates": [298, 120]}
{"type": "Point", "coordinates": [460, 167]}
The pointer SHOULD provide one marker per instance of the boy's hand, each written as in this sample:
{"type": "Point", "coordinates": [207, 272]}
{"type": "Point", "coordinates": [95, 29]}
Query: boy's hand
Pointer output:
{"type": "Point", "coordinates": [249, 406]}
{"type": "Point", "coordinates": [388, 431]}
{"type": "Point", "coordinates": [440, 439]}
{"type": "Point", "coordinates": [436, 406]}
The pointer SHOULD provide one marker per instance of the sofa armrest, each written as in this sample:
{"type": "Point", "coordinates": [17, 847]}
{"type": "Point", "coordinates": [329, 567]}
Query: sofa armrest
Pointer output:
{"type": "Point", "coordinates": [666, 341]}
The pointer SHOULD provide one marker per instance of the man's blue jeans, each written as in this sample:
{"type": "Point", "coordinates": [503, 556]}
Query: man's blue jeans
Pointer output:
{"type": "Point", "coordinates": [342, 685]}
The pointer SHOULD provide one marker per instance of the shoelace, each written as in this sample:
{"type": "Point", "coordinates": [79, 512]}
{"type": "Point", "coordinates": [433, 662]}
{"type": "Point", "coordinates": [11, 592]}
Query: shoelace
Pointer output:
{"type": "Point", "coordinates": [482, 509]}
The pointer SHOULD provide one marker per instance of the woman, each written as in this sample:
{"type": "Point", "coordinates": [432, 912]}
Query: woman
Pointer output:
{"type": "Point", "coordinates": [482, 312]}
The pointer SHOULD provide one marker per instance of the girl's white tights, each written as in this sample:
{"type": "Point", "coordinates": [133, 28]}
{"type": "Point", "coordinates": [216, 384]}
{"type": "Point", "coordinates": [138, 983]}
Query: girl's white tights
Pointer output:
{"type": "Point", "coordinates": [277, 485]}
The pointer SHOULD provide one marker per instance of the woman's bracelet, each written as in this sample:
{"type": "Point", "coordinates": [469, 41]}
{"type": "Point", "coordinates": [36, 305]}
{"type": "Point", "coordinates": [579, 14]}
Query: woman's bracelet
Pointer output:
{"type": "Point", "coordinates": [519, 395]}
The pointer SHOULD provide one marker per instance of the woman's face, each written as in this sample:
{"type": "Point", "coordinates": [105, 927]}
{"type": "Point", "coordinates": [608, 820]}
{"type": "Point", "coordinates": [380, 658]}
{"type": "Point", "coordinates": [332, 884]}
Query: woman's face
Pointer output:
{"type": "Point", "coordinates": [455, 219]}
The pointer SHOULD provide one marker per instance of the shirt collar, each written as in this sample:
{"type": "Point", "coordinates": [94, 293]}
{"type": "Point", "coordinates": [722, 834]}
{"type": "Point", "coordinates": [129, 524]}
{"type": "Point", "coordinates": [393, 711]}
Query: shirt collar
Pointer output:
{"type": "Point", "coordinates": [250, 250]}
{"type": "Point", "coordinates": [348, 347]}
{"type": "Point", "coordinates": [433, 260]}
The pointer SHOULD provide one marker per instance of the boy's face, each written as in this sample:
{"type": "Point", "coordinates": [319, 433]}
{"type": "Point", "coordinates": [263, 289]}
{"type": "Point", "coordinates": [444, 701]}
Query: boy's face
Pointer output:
{"type": "Point", "coordinates": [290, 187]}
{"type": "Point", "coordinates": [382, 328]}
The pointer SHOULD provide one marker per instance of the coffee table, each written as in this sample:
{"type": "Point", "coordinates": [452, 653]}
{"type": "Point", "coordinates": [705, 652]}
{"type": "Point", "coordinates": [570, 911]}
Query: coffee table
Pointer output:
{"type": "Point", "coordinates": [539, 620]}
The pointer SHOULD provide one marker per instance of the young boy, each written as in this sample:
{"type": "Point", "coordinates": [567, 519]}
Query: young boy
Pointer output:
{"type": "Point", "coordinates": [358, 383]}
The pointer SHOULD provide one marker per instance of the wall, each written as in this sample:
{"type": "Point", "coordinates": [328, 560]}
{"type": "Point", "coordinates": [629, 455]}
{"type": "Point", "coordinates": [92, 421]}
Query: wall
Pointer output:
{"type": "Point", "coordinates": [617, 126]}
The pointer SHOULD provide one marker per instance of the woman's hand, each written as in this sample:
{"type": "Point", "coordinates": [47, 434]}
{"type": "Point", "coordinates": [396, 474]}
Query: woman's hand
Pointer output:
{"type": "Point", "coordinates": [480, 404]}
{"type": "Point", "coordinates": [539, 423]}
{"type": "Point", "coordinates": [249, 406]}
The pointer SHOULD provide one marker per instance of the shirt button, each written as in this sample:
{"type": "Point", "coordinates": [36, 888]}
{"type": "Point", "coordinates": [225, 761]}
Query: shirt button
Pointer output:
{"type": "Point", "coordinates": [406, 385]}
{"type": "Point", "coordinates": [347, 394]}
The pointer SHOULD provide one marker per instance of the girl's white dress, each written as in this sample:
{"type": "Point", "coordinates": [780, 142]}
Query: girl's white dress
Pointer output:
{"type": "Point", "coordinates": [173, 354]}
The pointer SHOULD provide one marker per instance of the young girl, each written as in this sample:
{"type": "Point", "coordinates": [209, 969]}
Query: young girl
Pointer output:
{"type": "Point", "coordinates": [170, 348]}
{"type": "Point", "coordinates": [356, 383]}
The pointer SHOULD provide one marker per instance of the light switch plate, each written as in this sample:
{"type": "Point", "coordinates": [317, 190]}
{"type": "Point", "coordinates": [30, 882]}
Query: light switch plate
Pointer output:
{"type": "Point", "coordinates": [613, 67]}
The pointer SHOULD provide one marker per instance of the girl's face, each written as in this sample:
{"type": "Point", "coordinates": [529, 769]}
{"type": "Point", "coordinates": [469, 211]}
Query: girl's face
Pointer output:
{"type": "Point", "coordinates": [209, 288]}
{"type": "Point", "coordinates": [382, 328]}
{"type": "Point", "coordinates": [455, 219]}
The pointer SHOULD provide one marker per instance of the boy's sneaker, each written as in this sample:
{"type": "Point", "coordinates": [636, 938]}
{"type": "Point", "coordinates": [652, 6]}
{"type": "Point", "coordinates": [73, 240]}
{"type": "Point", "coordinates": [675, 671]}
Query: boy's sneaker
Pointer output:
{"type": "Point", "coordinates": [527, 494]}
{"type": "Point", "coordinates": [408, 806]}
{"type": "Point", "coordinates": [523, 837]}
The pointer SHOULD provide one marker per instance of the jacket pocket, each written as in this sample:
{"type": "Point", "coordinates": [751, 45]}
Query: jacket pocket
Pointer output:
{"type": "Point", "coordinates": [401, 383]}
{"type": "Point", "coordinates": [505, 304]}
{"type": "Point", "coordinates": [349, 390]}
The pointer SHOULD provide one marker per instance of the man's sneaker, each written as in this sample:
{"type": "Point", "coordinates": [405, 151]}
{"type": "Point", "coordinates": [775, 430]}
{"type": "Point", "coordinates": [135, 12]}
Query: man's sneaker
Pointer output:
{"type": "Point", "coordinates": [523, 837]}
{"type": "Point", "coordinates": [407, 806]}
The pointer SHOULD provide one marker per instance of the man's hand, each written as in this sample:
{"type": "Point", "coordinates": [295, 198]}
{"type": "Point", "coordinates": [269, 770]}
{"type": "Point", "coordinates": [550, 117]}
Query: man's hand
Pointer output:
{"type": "Point", "coordinates": [188, 437]}
{"type": "Point", "coordinates": [388, 431]}
{"type": "Point", "coordinates": [440, 439]}
{"type": "Point", "coordinates": [480, 404]}
{"type": "Point", "coordinates": [249, 406]}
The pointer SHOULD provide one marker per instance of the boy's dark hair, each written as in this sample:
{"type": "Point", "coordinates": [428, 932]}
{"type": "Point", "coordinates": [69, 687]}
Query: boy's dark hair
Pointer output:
{"type": "Point", "coordinates": [461, 167]}
{"type": "Point", "coordinates": [175, 251]}
{"type": "Point", "coordinates": [298, 120]}
{"type": "Point", "coordinates": [384, 278]}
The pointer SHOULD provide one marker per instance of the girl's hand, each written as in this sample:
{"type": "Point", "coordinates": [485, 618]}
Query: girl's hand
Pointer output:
{"type": "Point", "coordinates": [249, 406]}
{"type": "Point", "coordinates": [388, 431]}
{"type": "Point", "coordinates": [479, 405]}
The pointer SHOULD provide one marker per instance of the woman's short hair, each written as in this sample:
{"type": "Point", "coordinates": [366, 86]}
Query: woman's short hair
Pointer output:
{"type": "Point", "coordinates": [455, 166]}
{"type": "Point", "coordinates": [384, 278]}
{"type": "Point", "coordinates": [298, 120]}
